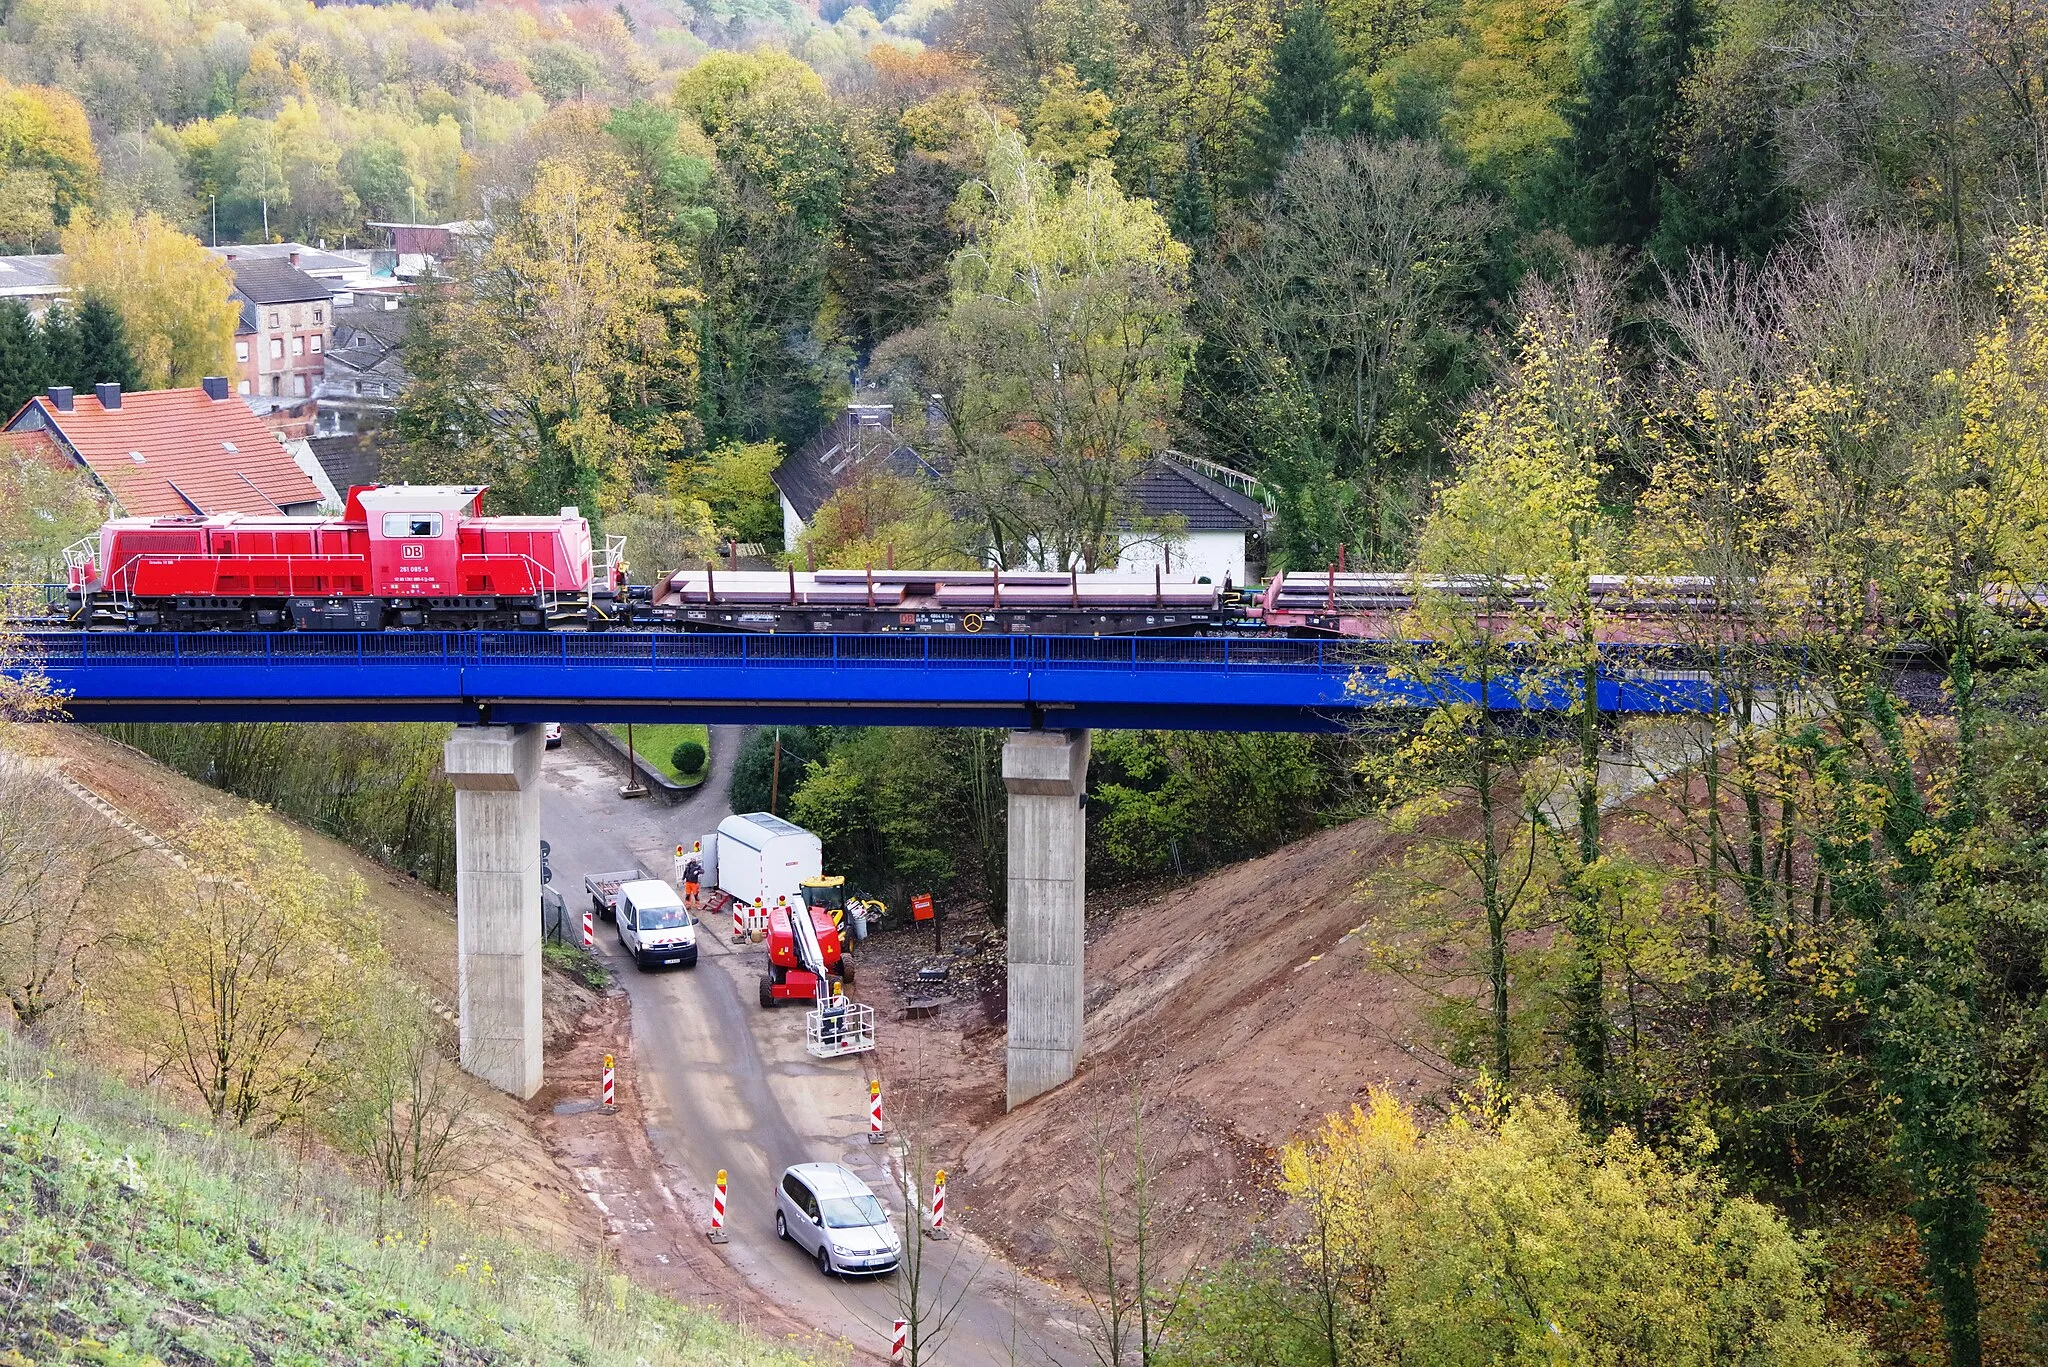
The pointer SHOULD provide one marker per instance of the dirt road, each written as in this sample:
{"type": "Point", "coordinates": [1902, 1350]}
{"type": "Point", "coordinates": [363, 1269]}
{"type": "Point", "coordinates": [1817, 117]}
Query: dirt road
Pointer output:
{"type": "Point", "coordinates": [728, 1085]}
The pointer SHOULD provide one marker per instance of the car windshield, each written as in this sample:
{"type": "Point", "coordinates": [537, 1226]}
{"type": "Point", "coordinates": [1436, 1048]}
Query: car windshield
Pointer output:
{"type": "Point", "coordinates": [662, 918]}
{"type": "Point", "coordinates": [853, 1212]}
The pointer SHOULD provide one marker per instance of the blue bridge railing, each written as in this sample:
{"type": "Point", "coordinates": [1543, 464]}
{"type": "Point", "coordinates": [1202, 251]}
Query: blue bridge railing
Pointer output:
{"type": "Point", "coordinates": [1216, 683]}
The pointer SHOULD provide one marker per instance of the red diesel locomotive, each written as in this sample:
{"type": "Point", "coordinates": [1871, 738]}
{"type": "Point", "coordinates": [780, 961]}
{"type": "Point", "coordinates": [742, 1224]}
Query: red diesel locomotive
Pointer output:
{"type": "Point", "coordinates": [403, 556]}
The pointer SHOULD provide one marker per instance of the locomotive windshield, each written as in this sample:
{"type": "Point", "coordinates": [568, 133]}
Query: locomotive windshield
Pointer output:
{"type": "Point", "coordinates": [412, 524]}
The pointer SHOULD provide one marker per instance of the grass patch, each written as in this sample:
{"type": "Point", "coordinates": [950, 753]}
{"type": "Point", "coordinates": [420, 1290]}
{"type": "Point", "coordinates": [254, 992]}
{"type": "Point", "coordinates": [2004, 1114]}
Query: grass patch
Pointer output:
{"type": "Point", "coordinates": [134, 1233]}
{"type": "Point", "coordinates": [576, 961]}
{"type": "Point", "coordinates": [656, 743]}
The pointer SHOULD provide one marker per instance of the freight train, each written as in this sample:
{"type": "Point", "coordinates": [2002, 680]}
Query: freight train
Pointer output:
{"type": "Point", "coordinates": [426, 557]}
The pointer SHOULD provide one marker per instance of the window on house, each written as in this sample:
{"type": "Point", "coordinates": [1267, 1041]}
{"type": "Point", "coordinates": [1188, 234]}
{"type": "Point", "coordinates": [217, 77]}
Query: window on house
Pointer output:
{"type": "Point", "coordinates": [276, 385]}
{"type": "Point", "coordinates": [298, 384]}
{"type": "Point", "coordinates": [298, 346]}
{"type": "Point", "coordinates": [241, 351]}
{"type": "Point", "coordinates": [314, 342]}
{"type": "Point", "coordinates": [319, 315]}
{"type": "Point", "coordinates": [359, 386]}
{"type": "Point", "coordinates": [242, 387]}
{"type": "Point", "coordinates": [277, 348]}
{"type": "Point", "coordinates": [274, 320]}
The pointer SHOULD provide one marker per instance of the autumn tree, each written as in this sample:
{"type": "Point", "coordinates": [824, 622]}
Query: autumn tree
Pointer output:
{"type": "Point", "coordinates": [1059, 358]}
{"type": "Point", "coordinates": [1507, 1234]}
{"type": "Point", "coordinates": [173, 297]}
{"type": "Point", "coordinates": [48, 168]}
{"type": "Point", "coordinates": [561, 320]}
{"type": "Point", "coordinates": [250, 970]}
{"type": "Point", "coordinates": [55, 874]}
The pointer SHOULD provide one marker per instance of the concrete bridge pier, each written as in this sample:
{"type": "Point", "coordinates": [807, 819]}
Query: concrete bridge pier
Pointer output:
{"type": "Point", "coordinates": [495, 770]}
{"type": "Point", "coordinates": [1046, 776]}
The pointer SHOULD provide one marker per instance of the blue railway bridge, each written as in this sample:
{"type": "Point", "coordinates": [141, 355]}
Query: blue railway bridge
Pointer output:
{"type": "Point", "coordinates": [1050, 690]}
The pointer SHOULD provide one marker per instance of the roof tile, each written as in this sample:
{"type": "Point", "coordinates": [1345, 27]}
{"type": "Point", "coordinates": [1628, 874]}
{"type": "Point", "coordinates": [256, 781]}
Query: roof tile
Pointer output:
{"type": "Point", "coordinates": [197, 454]}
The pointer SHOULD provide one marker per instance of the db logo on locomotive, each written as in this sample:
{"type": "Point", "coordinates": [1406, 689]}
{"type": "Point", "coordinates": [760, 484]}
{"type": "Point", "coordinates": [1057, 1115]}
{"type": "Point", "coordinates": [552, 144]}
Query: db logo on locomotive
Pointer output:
{"type": "Point", "coordinates": [413, 551]}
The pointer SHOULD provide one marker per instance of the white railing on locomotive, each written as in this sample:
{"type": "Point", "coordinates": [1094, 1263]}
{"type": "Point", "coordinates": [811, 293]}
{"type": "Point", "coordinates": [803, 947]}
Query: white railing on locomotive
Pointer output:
{"type": "Point", "coordinates": [83, 554]}
{"type": "Point", "coordinates": [604, 562]}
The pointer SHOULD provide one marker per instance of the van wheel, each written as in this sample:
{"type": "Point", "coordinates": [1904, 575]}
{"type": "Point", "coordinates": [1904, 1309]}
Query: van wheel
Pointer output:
{"type": "Point", "coordinates": [825, 1259]}
{"type": "Point", "coordinates": [768, 993]}
{"type": "Point", "coordinates": [781, 1227]}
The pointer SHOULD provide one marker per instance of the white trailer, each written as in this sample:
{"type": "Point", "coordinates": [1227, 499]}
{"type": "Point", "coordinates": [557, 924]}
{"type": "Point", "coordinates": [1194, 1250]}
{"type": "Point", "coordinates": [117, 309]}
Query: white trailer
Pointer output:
{"type": "Point", "coordinates": [766, 857]}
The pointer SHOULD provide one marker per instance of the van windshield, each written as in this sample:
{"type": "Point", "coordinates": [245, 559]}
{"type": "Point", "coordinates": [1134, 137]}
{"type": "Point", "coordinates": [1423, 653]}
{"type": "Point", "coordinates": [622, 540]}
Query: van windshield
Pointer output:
{"type": "Point", "coordinates": [853, 1212]}
{"type": "Point", "coordinates": [660, 918]}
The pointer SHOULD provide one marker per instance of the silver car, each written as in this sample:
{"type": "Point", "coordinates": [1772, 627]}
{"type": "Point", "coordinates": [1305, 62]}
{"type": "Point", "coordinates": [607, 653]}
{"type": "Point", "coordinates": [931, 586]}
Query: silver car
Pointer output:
{"type": "Point", "coordinates": [830, 1214]}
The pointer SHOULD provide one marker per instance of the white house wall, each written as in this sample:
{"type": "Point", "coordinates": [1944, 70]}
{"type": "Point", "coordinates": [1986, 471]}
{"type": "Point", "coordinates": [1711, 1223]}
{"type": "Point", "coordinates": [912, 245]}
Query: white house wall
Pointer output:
{"type": "Point", "coordinates": [1197, 555]}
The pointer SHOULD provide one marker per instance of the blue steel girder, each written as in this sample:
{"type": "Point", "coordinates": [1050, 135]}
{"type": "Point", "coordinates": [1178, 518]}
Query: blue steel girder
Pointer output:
{"type": "Point", "coordinates": [1182, 683]}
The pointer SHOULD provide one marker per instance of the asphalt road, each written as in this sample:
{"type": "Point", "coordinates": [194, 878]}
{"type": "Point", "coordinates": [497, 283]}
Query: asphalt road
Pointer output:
{"type": "Point", "coordinates": [729, 1085]}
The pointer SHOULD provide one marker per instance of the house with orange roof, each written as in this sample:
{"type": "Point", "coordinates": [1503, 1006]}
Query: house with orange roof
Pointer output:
{"type": "Point", "coordinates": [174, 452]}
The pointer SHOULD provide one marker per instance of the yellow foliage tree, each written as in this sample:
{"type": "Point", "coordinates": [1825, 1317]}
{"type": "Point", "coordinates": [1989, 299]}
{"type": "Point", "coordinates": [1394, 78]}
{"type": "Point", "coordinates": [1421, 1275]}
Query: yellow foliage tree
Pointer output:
{"type": "Point", "coordinates": [251, 970]}
{"type": "Point", "coordinates": [44, 136]}
{"type": "Point", "coordinates": [174, 297]}
{"type": "Point", "coordinates": [1507, 1235]}
{"type": "Point", "coordinates": [564, 317]}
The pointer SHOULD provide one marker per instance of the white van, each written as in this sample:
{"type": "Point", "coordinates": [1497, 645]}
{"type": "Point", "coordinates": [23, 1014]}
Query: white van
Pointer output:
{"type": "Point", "coordinates": [653, 926]}
{"type": "Point", "coordinates": [766, 857]}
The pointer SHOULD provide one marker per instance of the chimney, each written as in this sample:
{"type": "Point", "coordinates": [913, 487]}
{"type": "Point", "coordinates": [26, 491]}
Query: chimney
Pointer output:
{"type": "Point", "coordinates": [109, 395]}
{"type": "Point", "coordinates": [216, 386]}
{"type": "Point", "coordinates": [60, 397]}
{"type": "Point", "coordinates": [293, 257]}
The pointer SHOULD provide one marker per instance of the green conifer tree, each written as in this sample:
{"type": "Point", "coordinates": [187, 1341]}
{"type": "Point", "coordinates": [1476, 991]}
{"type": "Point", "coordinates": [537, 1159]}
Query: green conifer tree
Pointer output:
{"type": "Point", "coordinates": [21, 358]}
{"type": "Point", "coordinates": [104, 355]}
{"type": "Point", "coordinates": [1312, 90]}
{"type": "Point", "coordinates": [1623, 149]}
{"type": "Point", "coordinates": [57, 336]}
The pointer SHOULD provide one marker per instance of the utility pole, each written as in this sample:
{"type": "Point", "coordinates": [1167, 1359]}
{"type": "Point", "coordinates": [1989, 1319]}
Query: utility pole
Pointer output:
{"type": "Point", "coordinates": [266, 218]}
{"type": "Point", "coordinates": [632, 787]}
{"type": "Point", "coordinates": [775, 773]}
{"type": "Point", "coordinates": [215, 199]}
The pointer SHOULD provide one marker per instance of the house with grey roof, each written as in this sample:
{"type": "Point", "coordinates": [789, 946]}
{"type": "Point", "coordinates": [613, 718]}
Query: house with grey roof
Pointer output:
{"type": "Point", "coordinates": [32, 279]}
{"type": "Point", "coordinates": [1223, 520]}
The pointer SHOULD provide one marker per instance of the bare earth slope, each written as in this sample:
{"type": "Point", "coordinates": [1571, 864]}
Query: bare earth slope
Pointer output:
{"type": "Point", "coordinates": [1243, 1002]}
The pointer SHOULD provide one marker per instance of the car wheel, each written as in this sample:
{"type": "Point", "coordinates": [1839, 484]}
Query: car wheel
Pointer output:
{"type": "Point", "coordinates": [781, 1227]}
{"type": "Point", "coordinates": [641, 961]}
{"type": "Point", "coordinates": [825, 1258]}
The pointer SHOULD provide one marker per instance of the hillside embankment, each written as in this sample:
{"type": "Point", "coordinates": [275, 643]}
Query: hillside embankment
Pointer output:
{"type": "Point", "coordinates": [1237, 1010]}
{"type": "Point", "coordinates": [556, 1176]}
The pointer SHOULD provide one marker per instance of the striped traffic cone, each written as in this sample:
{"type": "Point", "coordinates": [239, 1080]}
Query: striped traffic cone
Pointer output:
{"type": "Point", "coordinates": [718, 1210]}
{"type": "Point", "coordinates": [939, 1206]}
{"type": "Point", "coordinates": [896, 1343]}
{"type": "Point", "coordinates": [608, 1083]}
{"type": "Point", "coordinates": [875, 1135]}
{"type": "Point", "coordinates": [589, 930]}
{"type": "Point", "coordinates": [739, 921]}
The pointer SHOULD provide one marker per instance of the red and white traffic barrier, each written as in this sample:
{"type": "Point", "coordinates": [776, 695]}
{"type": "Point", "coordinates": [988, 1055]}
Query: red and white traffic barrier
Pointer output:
{"type": "Point", "coordinates": [939, 1206]}
{"type": "Point", "coordinates": [896, 1344]}
{"type": "Point", "coordinates": [589, 930]}
{"type": "Point", "coordinates": [718, 1210]}
{"type": "Point", "coordinates": [739, 921]}
{"type": "Point", "coordinates": [875, 1135]}
{"type": "Point", "coordinates": [608, 1082]}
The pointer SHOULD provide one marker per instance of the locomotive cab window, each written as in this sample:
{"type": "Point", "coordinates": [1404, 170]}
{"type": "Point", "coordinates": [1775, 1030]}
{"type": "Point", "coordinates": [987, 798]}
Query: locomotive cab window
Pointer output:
{"type": "Point", "coordinates": [412, 524]}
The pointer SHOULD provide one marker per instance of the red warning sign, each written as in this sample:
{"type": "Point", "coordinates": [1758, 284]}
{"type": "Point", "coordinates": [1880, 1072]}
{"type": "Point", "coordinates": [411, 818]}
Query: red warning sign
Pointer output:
{"type": "Point", "coordinates": [921, 906]}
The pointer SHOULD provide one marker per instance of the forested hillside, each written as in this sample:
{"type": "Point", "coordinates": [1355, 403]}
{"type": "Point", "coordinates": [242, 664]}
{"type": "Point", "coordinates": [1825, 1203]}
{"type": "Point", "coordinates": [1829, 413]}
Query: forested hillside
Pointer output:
{"type": "Point", "coordinates": [1305, 220]}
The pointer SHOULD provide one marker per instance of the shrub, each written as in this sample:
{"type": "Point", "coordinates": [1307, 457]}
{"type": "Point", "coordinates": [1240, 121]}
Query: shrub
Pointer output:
{"type": "Point", "coordinates": [687, 757]}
